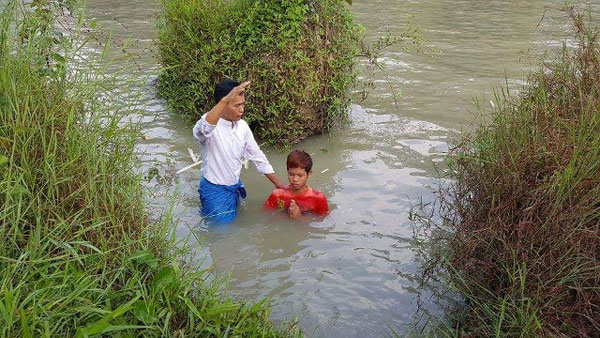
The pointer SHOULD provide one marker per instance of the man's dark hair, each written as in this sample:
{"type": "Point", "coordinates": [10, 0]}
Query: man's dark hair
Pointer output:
{"type": "Point", "coordinates": [299, 159]}
{"type": "Point", "coordinates": [223, 88]}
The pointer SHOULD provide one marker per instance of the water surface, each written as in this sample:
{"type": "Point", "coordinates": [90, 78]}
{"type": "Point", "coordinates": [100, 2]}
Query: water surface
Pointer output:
{"type": "Point", "coordinates": [350, 274]}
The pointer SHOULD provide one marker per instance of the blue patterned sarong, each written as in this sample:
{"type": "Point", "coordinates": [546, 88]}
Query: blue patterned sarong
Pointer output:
{"type": "Point", "coordinates": [220, 202]}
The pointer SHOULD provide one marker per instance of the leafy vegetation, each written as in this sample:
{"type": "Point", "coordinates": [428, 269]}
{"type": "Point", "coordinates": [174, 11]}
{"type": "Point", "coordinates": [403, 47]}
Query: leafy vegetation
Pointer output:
{"type": "Point", "coordinates": [78, 255]}
{"type": "Point", "coordinates": [299, 55]}
{"type": "Point", "coordinates": [516, 233]}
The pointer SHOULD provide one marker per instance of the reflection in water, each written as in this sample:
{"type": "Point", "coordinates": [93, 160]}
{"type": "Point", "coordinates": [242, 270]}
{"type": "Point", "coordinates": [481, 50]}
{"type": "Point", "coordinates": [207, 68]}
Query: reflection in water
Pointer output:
{"type": "Point", "coordinates": [348, 275]}
{"type": "Point", "coordinates": [254, 252]}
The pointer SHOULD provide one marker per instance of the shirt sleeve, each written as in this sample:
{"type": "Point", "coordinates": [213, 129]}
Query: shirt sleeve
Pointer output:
{"type": "Point", "coordinates": [271, 202]}
{"type": "Point", "coordinates": [203, 130]}
{"type": "Point", "coordinates": [256, 156]}
{"type": "Point", "coordinates": [322, 207]}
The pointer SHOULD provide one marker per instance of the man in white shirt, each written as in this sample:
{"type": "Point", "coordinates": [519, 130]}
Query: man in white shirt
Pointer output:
{"type": "Point", "coordinates": [224, 140]}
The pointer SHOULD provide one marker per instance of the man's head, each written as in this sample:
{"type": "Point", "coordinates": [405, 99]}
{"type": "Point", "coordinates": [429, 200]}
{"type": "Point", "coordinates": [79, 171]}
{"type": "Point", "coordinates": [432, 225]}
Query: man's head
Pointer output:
{"type": "Point", "coordinates": [235, 107]}
{"type": "Point", "coordinates": [299, 166]}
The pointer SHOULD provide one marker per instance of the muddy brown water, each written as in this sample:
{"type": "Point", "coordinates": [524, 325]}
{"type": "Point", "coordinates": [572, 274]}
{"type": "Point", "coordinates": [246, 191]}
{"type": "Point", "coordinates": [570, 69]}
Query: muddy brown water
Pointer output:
{"type": "Point", "coordinates": [350, 274]}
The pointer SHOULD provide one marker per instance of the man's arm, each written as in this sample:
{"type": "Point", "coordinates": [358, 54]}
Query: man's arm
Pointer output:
{"type": "Point", "coordinates": [275, 180]}
{"type": "Point", "coordinates": [254, 154]}
{"type": "Point", "coordinates": [203, 130]}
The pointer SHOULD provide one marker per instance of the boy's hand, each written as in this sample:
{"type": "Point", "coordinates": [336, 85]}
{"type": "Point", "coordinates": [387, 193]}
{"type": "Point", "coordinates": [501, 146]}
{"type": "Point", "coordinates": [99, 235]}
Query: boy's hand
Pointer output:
{"type": "Point", "coordinates": [235, 92]}
{"type": "Point", "coordinates": [294, 210]}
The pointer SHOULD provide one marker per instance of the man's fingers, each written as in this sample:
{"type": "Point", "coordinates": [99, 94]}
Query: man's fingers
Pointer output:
{"type": "Point", "coordinates": [242, 87]}
{"type": "Point", "coordinates": [236, 91]}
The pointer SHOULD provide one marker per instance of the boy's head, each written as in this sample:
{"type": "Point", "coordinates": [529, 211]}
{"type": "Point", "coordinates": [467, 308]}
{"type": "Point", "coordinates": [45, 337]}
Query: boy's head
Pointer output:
{"type": "Point", "coordinates": [299, 166]}
{"type": "Point", "coordinates": [235, 109]}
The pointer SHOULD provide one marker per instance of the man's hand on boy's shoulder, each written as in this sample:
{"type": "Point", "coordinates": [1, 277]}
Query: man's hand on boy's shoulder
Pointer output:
{"type": "Point", "coordinates": [283, 186]}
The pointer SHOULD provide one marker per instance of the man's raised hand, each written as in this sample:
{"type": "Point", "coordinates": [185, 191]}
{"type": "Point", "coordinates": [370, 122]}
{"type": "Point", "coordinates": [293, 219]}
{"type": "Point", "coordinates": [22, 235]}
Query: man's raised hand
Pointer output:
{"type": "Point", "coordinates": [220, 110]}
{"type": "Point", "coordinates": [235, 92]}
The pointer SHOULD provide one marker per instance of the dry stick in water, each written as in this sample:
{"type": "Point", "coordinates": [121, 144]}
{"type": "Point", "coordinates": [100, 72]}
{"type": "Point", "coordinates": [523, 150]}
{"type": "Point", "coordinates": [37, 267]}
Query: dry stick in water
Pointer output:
{"type": "Point", "coordinates": [194, 158]}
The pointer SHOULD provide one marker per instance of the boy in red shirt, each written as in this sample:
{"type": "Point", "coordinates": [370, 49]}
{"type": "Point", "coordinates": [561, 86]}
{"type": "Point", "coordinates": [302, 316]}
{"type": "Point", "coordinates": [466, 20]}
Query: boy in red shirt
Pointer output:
{"type": "Point", "coordinates": [298, 198]}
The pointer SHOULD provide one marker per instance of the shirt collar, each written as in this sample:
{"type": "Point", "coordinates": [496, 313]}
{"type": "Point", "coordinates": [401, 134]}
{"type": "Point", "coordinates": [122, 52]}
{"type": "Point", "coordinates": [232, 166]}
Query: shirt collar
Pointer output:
{"type": "Point", "coordinates": [225, 123]}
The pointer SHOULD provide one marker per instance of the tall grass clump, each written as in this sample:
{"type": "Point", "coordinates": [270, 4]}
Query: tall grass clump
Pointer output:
{"type": "Point", "coordinates": [516, 234]}
{"type": "Point", "coordinates": [78, 255]}
{"type": "Point", "coordinates": [299, 55]}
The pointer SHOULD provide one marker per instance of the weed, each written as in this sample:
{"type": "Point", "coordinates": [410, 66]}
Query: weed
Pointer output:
{"type": "Point", "coordinates": [517, 230]}
{"type": "Point", "coordinates": [78, 255]}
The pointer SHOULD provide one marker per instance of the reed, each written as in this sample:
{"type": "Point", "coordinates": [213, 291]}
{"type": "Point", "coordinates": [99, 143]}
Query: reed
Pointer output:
{"type": "Point", "coordinates": [78, 254]}
{"type": "Point", "coordinates": [516, 234]}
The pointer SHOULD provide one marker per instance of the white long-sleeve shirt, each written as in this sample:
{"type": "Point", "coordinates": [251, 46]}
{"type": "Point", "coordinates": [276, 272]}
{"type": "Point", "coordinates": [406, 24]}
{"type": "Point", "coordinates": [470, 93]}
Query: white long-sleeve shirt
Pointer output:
{"type": "Point", "coordinates": [223, 147]}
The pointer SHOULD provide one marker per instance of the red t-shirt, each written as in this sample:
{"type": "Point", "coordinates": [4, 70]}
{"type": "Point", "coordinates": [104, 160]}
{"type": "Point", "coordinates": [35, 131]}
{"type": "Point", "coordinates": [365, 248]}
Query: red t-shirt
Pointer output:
{"type": "Point", "coordinates": [310, 201]}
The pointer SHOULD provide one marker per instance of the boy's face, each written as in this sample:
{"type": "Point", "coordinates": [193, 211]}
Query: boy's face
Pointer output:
{"type": "Point", "coordinates": [298, 178]}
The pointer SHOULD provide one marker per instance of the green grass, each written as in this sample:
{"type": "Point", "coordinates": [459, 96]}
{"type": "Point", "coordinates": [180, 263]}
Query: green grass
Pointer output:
{"type": "Point", "coordinates": [78, 254]}
{"type": "Point", "coordinates": [516, 234]}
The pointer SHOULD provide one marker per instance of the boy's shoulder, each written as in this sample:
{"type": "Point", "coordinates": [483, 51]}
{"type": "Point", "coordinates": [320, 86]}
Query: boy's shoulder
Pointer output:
{"type": "Point", "coordinates": [316, 192]}
{"type": "Point", "coordinates": [308, 193]}
{"type": "Point", "coordinates": [279, 192]}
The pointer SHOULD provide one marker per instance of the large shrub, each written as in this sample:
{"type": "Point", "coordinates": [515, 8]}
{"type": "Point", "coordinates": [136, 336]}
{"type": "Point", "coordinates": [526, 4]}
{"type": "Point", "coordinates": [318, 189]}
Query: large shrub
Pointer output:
{"type": "Point", "coordinates": [519, 230]}
{"type": "Point", "coordinates": [299, 55]}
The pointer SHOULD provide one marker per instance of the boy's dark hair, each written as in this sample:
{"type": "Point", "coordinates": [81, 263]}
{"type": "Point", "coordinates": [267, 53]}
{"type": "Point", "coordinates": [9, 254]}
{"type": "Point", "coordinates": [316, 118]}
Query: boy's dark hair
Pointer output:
{"type": "Point", "coordinates": [299, 159]}
{"type": "Point", "coordinates": [223, 88]}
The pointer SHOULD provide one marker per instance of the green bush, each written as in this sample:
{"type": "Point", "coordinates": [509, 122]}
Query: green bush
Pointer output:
{"type": "Point", "coordinates": [299, 55]}
{"type": "Point", "coordinates": [517, 234]}
{"type": "Point", "coordinates": [78, 255]}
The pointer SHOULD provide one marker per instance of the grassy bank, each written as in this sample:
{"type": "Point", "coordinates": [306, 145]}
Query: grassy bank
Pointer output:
{"type": "Point", "coordinates": [299, 55]}
{"type": "Point", "coordinates": [78, 255]}
{"type": "Point", "coordinates": [516, 234]}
